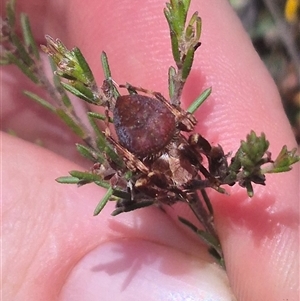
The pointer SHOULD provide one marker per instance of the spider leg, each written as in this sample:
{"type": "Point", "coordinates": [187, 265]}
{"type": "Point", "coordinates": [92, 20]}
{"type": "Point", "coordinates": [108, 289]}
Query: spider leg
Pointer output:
{"type": "Point", "coordinates": [185, 120]}
{"type": "Point", "coordinates": [132, 88]}
{"type": "Point", "coordinates": [217, 160]}
{"type": "Point", "coordinates": [131, 161]}
{"type": "Point", "coordinates": [125, 206]}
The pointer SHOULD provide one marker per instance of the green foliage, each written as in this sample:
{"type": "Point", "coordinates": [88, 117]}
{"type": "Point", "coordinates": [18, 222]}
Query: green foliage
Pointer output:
{"type": "Point", "coordinates": [184, 43]}
{"type": "Point", "coordinates": [283, 162]}
{"type": "Point", "coordinates": [72, 66]}
{"type": "Point", "coordinates": [103, 201]}
{"type": "Point", "coordinates": [90, 153]}
{"type": "Point", "coordinates": [248, 164]}
{"type": "Point", "coordinates": [29, 40]}
{"type": "Point", "coordinates": [199, 101]}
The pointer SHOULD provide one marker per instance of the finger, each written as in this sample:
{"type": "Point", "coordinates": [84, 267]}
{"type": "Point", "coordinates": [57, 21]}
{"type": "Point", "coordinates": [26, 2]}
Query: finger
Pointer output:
{"type": "Point", "coordinates": [244, 98]}
{"type": "Point", "coordinates": [53, 246]}
{"type": "Point", "coordinates": [224, 61]}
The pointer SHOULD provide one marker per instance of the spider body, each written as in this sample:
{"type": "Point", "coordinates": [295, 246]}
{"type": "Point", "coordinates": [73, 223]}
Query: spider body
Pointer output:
{"type": "Point", "coordinates": [166, 166]}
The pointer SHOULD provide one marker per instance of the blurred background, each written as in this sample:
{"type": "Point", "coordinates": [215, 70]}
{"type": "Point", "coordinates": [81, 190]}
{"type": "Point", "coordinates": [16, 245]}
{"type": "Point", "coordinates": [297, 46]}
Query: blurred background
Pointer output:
{"type": "Point", "coordinates": [274, 27]}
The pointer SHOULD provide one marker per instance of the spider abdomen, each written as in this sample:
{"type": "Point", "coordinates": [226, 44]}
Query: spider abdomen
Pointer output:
{"type": "Point", "coordinates": [144, 125]}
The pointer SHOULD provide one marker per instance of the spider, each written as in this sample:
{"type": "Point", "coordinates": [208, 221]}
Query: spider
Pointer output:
{"type": "Point", "coordinates": [166, 166]}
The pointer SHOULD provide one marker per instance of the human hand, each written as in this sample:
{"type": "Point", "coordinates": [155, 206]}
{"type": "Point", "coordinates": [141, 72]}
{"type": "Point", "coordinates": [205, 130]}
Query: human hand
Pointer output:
{"type": "Point", "coordinates": [55, 249]}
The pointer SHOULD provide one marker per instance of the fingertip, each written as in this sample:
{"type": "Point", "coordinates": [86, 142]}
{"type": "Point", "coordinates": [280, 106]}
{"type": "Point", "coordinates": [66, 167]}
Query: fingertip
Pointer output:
{"type": "Point", "coordinates": [139, 267]}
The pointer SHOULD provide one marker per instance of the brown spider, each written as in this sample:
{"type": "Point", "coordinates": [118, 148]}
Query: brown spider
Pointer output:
{"type": "Point", "coordinates": [166, 165]}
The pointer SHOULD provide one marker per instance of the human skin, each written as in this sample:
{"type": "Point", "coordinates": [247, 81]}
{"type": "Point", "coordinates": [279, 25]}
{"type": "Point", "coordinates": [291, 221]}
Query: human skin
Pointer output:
{"type": "Point", "coordinates": [54, 249]}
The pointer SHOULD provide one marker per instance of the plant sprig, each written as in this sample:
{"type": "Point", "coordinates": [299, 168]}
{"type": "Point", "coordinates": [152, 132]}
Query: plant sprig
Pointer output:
{"type": "Point", "coordinates": [110, 170]}
{"type": "Point", "coordinates": [185, 40]}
